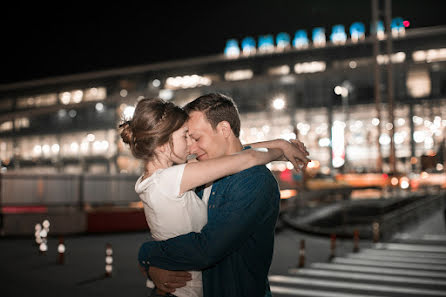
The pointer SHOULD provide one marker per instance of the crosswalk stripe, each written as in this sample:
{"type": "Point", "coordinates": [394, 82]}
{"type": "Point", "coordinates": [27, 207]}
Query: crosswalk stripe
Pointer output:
{"type": "Point", "coordinates": [426, 237]}
{"type": "Point", "coordinates": [379, 270]}
{"type": "Point", "coordinates": [312, 293]}
{"type": "Point", "coordinates": [357, 286]}
{"type": "Point", "coordinates": [397, 259]}
{"type": "Point", "coordinates": [389, 264]}
{"type": "Point", "coordinates": [367, 276]}
{"type": "Point", "coordinates": [404, 253]}
{"type": "Point", "coordinates": [410, 247]}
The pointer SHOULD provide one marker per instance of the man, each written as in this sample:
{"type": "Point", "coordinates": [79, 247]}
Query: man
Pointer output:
{"type": "Point", "coordinates": [234, 250]}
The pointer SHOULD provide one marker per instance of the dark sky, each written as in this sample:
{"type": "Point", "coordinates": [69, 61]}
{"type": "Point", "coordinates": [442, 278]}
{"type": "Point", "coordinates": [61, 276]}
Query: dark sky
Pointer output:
{"type": "Point", "coordinates": [41, 41]}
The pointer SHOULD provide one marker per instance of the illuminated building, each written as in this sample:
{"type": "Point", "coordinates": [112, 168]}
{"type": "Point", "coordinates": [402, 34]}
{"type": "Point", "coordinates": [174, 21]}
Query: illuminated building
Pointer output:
{"type": "Point", "coordinates": [282, 87]}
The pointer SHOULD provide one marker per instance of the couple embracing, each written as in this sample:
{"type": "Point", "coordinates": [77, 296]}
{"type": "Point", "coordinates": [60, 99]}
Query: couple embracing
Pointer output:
{"type": "Point", "coordinates": [212, 217]}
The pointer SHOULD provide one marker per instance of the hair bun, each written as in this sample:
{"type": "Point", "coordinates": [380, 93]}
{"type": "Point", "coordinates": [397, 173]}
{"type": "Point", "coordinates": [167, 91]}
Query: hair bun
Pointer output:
{"type": "Point", "coordinates": [127, 132]}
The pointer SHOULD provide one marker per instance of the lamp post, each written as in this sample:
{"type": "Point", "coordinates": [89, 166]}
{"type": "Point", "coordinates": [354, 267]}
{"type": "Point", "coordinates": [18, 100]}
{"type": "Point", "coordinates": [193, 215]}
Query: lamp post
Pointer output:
{"type": "Point", "coordinates": [344, 90]}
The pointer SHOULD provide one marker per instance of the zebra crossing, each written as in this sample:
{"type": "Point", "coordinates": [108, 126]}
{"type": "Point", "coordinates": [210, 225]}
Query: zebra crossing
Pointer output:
{"type": "Point", "coordinates": [405, 266]}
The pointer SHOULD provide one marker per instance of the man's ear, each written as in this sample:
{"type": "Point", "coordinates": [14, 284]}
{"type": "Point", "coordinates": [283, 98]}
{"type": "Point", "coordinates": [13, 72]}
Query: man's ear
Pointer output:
{"type": "Point", "coordinates": [224, 128]}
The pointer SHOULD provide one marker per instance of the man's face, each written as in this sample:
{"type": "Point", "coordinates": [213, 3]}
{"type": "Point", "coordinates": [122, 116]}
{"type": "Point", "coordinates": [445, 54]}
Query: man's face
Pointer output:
{"type": "Point", "coordinates": [207, 143]}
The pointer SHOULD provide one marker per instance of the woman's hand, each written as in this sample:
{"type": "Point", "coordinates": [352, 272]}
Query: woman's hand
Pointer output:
{"type": "Point", "coordinates": [295, 152]}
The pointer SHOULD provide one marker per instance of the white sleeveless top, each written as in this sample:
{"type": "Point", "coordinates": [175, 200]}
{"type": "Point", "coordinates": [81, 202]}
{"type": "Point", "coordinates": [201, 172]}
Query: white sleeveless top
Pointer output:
{"type": "Point", "coordinates": [170, 214]}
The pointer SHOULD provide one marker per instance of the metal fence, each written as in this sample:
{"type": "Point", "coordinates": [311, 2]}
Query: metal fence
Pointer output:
{"type": "Point", "coordinates": [66, 189]}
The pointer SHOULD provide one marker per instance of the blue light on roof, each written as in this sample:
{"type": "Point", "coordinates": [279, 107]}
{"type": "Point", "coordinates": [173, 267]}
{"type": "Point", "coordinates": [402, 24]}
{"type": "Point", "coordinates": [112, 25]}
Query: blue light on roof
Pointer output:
{"type": "Point", "coordinates": [319, 36]}
{"type": "Point", "coordinates": [338, 34]}
{"type": "Point", "coordinates": [300, 39]}
{"type": "Point", "coordinates": [397, 23]}
{"type": "Point", "coordinates": [266, 42]}
{"type": "Point", "coordinates": [248, 45]}
{"type": "Point", "coordinates": [357, 31]}
{"type": "Point", "coordinates": [232, 48]}
{"type": "Point", "coordinates": [377, 28]}
{"type": "Point", "coordinates": [283, 40]}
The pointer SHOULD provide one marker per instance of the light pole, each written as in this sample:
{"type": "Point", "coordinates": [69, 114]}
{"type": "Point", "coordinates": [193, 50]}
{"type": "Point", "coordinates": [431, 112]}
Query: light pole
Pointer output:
{"type": "Point", "coordinates": [344, 90]}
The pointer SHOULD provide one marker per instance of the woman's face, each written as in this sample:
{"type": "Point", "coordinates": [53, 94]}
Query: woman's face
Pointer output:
{"type": "Point", "coordinates": [181, 145]}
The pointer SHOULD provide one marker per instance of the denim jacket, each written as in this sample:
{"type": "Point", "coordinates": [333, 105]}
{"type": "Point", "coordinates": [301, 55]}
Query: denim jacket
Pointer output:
{"type": "Point", "coordinates": [234, 250]}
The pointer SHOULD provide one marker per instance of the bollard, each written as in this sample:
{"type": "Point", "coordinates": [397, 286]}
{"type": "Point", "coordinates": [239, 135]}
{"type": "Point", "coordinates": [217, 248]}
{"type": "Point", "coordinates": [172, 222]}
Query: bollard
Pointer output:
{"type": "Point", "coordinates": [61, 251]}
{"type": "Point", "coordinates": [375, 228]}
{"type": "Point", "coordinates": [332, 247]}
{"type": "Point", "coordinates": [43, 234]}
{"type": "Point", "coordinates": [301, 254]}
{"type": "Point", "coordinates": [356, 241]}
{"type": "Point", "coordinates": [38, 239]}
{"type": "Point", "coordinates": [108, 260]}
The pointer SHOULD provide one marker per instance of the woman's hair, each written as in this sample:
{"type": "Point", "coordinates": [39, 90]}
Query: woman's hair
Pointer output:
{"type": "Point", "coordinates": [152, 125]}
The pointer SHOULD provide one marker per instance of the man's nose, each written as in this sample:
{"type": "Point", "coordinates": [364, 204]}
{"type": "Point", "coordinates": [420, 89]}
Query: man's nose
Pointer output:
{"type": "Point", "coordinates": [193, 147]}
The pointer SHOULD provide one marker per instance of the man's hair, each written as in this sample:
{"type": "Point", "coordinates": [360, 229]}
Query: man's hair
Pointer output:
{"type": "Point", "coordinates": [217, 108]}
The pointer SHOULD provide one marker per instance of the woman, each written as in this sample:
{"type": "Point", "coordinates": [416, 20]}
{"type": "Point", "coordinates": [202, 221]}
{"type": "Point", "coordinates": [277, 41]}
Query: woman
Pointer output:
{"type": "Point", "coordinates": [158, 134]}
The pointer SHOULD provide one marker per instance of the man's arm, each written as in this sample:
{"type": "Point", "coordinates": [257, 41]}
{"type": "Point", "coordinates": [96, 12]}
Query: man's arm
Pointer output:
{"type": "Point", "coordinates": [247, 202]}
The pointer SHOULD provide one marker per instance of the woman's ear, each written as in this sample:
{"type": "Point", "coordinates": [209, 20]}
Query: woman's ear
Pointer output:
{"type": "Point", "coordinates": [163, 148]}
{"type": "Point", "coordinates": [224, 128]}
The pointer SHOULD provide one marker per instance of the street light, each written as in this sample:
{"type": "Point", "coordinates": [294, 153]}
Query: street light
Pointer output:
{"type": "Point", "coordinates": [279, 103]}
{"type": "Point", "coordinates": [343, 90]}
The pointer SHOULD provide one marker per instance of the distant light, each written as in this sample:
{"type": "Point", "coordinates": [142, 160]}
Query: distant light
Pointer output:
{"type": "Point", "coordinates": [375, 121]}
{"type": "Point", "coordinates": [406, 24]}
{"type": "Point", "coordinates": [282, 41]}
{"type": "Point", "coordinates": [439, 167]}
{"type": "Point", "coordinates": [123, 93]}
{"type": "Point", "coordinates": [37, 149]}
{"type": "Point", "coordinates": [61, 113]}
{"type": "Point", "coordinates": [72, 113]}
{"type": "Point", "coordinates": [77, 96]}
{"type": "Point", "coordinates": [55, 148]}
{"type": "Point", "coordinates": [285, 194]}
{"type": "Point", "coordinates": [156, 83]}
{"type": "Point", "coordinates": [310, 67]}
{"type": "Point", "coordinates": [404, 183]}
{"type": "Point", "coordinates": [384, 139]}
{"type": "Point", "coordinates": [45, 148]}
{"type": "Point", "coordinates": [61, 248]}
{"type": "Point", "coordinates": [91, 137]}
{"type": "Point", "coordinates": [338, 90]}
{"type": "Point", "coordinates": [166, 94]}
{"type": "Point", "coordinates": [248, 46]}
{"type": "Point", "coordinates": [43, 247]}
{"type": "Point", "coordinates": [278, 103]}
{"type": "Point", "coordinates": [324, 142]}
{"type": "Point", "coordinates": [99, 106]}
{"type": "Point", "coordinates": [266, 43]}
{"type": "Point", "coordinates": [232, 50]}
{"type": "Point", "coordinates": [394, 181]}
{"type": "Point", "coordinates": [239, 74]}
{"type": "Point", "coordinates": [128, 112]}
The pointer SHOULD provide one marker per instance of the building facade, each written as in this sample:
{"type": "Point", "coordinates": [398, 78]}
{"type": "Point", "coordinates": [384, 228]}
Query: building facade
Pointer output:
{"type": "Point", "coordinates": [323, 92]}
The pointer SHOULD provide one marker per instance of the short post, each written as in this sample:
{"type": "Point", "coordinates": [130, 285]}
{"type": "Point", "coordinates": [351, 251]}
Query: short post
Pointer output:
{"type": "Point", "coordinates": [356, 241]}
{"type": "Point", "coordinates": [332, 247]}
{"type": "Point", "coordinates": [375, 228]}
{"type": "Point", "coordinates": [108, 260]}
{"type": "Point", "coordinates": [301, 254]}
{"type": "Point", "coordinates": [43, 246]}
{"type": "Point", "coordinates": [61, 251]}
{"type": "Point", "coordinates": [38, 239]}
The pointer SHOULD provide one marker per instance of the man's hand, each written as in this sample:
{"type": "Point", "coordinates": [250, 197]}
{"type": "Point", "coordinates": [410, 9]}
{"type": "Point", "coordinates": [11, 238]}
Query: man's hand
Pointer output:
{"type": "Point", "coordinates": [167, 280]}
{"type": "Point", "coordinates": [296, 152]}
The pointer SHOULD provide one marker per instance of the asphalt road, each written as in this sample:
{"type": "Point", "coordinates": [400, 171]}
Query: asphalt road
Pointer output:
{"type": "Point", "coordinates": [26, 272]}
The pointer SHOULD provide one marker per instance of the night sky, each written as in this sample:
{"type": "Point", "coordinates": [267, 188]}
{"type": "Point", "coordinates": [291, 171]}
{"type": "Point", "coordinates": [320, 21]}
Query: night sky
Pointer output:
{"type": "Point", "coordinates": [40, 41]}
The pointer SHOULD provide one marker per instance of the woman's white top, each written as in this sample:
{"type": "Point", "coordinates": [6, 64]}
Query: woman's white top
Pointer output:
{"type": "Point", "coordinates": [170, 214]}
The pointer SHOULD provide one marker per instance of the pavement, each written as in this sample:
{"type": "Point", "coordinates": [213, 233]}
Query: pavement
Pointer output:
{"type": "Point", "coordinates": [24, 271]}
